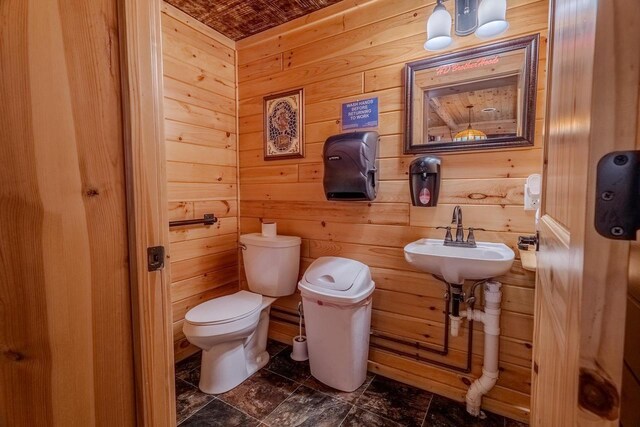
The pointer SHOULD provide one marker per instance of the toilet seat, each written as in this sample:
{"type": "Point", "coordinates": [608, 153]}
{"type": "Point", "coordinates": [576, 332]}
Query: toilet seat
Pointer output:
{"type": "Point", "coordinates": [226, 309]}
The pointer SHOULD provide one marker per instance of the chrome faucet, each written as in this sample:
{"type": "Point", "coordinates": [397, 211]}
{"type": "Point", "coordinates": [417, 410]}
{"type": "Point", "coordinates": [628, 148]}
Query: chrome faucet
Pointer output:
{"type": "Point", "coordinates": [457, 221]}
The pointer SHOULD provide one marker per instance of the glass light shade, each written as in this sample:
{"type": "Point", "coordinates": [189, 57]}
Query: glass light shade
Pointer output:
{"type": "Point", "coordinates": [470, 134]}
{"type": "Point", "coordinates": [438, 29]}
{"type": "Point", "coordinates": [492, 19]}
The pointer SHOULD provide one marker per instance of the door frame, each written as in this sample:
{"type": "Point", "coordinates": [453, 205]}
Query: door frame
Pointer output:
{"type": "Point", "coordinates": [140, 35]}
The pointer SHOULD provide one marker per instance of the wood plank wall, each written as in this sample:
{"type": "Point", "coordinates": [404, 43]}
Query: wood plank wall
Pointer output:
{"type": "Point", "coordinates": [200, 131]}
{"type": "Point", "coordinates": [66, 344]}
{"type": "Point", "coordinates": [354, 50]}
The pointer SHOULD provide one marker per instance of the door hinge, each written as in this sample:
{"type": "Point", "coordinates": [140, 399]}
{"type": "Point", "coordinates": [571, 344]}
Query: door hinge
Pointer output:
{"type": "Point", "coordinates": [155, 258]}
{"type": "Point", "coordinates": [617, 210]}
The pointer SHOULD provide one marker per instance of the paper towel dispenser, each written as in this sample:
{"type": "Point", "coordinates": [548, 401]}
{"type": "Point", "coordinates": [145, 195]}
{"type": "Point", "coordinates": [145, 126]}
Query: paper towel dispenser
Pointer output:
{"type": "Point", "coordinates": [350, 166]}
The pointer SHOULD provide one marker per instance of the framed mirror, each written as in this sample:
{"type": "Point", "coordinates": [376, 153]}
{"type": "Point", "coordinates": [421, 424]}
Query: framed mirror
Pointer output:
{"type": "Point", "coordinates": [477, 99]}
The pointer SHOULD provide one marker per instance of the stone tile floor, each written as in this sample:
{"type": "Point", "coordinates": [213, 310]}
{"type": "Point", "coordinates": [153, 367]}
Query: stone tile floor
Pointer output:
{"type": "Point", "coordinates": [285, 394]}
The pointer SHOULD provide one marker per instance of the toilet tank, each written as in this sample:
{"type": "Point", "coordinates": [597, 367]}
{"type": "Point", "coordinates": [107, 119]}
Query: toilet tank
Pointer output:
{"type": "Point", "coordinates": [271, 263]}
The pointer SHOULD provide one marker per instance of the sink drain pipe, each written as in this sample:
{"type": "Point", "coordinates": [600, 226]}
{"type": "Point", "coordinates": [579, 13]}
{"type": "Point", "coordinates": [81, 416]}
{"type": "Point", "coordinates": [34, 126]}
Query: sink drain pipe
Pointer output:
{"type": "Point", "coordinates": [490, 318]}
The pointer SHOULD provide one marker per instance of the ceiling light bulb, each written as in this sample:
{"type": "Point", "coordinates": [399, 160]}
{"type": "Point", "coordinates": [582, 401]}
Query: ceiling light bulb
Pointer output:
{"type": "Point", "coordinates": [438, 28]}
{"type": "Point", "coordinates": [492, 18]}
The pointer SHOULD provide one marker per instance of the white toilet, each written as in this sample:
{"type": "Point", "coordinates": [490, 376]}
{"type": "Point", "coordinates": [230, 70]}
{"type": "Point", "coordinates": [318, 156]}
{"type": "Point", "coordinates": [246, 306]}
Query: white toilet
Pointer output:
{"type": "Point", "coordinates": [232, 330]}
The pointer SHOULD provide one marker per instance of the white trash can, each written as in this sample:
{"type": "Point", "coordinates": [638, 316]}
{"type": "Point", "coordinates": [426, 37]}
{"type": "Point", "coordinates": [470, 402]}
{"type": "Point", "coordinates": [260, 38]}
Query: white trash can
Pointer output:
{"type": "Point", "coordinates": [336, 297]}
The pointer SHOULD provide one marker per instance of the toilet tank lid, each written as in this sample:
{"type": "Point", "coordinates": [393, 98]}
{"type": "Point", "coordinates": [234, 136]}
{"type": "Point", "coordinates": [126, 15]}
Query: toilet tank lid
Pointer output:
{"type": "Point", "coordinates": [336, 277]}
{"type": "Point", "coordinates": [224, 309]}
{"type": "Point", "coordinates": [279, 241]}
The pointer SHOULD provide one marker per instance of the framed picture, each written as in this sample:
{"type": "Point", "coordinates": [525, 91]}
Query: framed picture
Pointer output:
{"type": "Point", "coordinates": [284, 125]}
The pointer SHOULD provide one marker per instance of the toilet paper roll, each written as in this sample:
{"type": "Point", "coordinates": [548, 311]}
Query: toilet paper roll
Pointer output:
{"type": "Point", "coordinates": [269, 229]}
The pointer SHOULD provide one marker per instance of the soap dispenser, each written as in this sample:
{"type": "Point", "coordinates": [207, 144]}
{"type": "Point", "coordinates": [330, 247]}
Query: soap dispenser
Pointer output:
{"type": "Point", "coordinates": [424, 179]}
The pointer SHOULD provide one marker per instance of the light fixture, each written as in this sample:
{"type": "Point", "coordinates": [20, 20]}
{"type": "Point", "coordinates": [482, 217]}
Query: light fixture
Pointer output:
{"type": "Point", "coordinates": [438, 28]}
{"type": "Point", "coordinates": [470, 134]}
{"type": "Point", "coordinates": [466, 20]}
{"type": "Point", "coordinates": [487, 20]}
{"type": "Point", "coordinates": [492, 18]}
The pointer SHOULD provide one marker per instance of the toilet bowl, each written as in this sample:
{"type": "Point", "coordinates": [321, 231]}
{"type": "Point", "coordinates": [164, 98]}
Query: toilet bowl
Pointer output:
{"type": "Point", "coordinates": [232, 330]}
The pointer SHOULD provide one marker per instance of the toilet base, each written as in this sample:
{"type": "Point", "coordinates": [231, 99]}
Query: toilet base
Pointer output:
{"type": "Point", "coordinates": [225, 367]}
{"type": "Point", "coordinates": [227, 364]}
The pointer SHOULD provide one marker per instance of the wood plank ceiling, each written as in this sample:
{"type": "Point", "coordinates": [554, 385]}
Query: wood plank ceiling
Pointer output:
{"type": "Point", "coordinates": [238, 19]}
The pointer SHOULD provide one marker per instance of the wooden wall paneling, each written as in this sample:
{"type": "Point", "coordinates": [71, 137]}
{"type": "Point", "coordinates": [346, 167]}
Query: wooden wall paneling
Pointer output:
{"type": "Point", "coordinates": [489, 185]}
{"type": "Point", "coordinates": [199, 191]}
{"type": "Point", "coordinates": [343, 212]}
{"type": "Point", "coordinates": [188, 113]}
{"type": "Point", "coordinates": [190, 153]}
{"type": "Point", "coordinates": [285, 173]}
{"type": "Point", "coordinates": [366, 37]}
{"type": "Point", "coordinates": [192, 54]}
{"type": "Point", "coordinates": [183, 132]}
{"type": "Point", "coordinates": [255, 157]}
{"type": "Point", "coordinates": [193, 172]}
{"type": "Point", "coordinates": [202, 173]}
{"type": "Point", "coordinates": [199, 284]}
{"type": "Point", "coordinates": [199, 36]}
{"type": "Point", "coordinates": [262, 67]}
{"type": "Point", "coordinates": [181, 270]}
{"type": "Point", "coordinates": [188, 249]}
{"type": "Point", "coordinates": [184, 92]}
{"type": "Point", "coordinates": [180, 210]}
{"type": "Point", "coordinates": [198, 77]}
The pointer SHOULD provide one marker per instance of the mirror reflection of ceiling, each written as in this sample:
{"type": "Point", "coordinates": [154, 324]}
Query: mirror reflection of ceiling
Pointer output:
{"type": "Point", "coordinates": [238, 19]}
{"type": "Point", "coordinates": [494, 108]}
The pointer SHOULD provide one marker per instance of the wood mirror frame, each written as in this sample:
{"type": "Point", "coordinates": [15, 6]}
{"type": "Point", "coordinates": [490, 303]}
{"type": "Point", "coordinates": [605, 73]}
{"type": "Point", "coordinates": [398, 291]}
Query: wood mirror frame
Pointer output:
{"type": "Point", "coordinates": [526, 116]}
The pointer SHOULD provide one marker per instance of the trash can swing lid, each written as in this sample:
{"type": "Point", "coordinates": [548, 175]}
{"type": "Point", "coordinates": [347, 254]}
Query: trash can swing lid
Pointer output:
{"type": "Point", "coordinates": [337, 279]}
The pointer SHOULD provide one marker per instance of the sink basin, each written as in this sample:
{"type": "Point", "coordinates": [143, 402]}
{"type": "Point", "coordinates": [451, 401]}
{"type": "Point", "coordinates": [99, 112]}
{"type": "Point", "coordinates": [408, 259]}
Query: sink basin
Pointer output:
{"type": "Point", "coordinates": [457, 264]}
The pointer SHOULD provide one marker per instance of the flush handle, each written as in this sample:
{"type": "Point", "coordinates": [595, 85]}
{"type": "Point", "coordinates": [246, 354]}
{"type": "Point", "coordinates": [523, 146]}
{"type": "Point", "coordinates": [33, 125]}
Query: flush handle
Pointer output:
{"type": "Point", "coordinates": [617, 210]}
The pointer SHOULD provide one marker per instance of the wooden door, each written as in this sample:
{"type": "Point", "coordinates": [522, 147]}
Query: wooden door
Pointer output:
{"type": "Point", "coordinates": [66, 343]}
{"type": "Point", "coordinates": [592, 109]}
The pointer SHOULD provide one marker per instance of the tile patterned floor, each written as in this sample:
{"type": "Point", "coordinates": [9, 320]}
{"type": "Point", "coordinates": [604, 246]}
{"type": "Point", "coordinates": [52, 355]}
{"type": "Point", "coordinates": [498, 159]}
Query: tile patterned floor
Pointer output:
{"type": "Point", "coordinates": [285, 394]}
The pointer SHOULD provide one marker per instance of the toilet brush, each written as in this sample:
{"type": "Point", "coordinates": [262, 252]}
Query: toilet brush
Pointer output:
{"type": "Point", "coordinates": [300, 353]}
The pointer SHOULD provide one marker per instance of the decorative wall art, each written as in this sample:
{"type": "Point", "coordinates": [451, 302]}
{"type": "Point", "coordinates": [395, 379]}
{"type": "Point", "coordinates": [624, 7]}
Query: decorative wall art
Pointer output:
{"type": "Point", "coordinates": [284, 125]}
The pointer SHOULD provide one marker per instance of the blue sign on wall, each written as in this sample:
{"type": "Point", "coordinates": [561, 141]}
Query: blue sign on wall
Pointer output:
{"type": "Point", "coordinates": [360, 114]}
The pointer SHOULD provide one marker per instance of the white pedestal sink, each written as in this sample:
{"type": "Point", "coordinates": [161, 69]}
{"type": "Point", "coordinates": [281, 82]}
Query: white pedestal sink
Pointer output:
{"type": "Point", "coordinates": [457, 264]}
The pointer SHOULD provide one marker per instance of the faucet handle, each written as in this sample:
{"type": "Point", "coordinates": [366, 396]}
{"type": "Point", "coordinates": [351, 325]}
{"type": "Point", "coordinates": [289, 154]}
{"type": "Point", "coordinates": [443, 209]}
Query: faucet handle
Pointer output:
{"type": "Point", "coordinates": [471, 238]}
{"type": "Point", "coordinates": [447, 236]}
